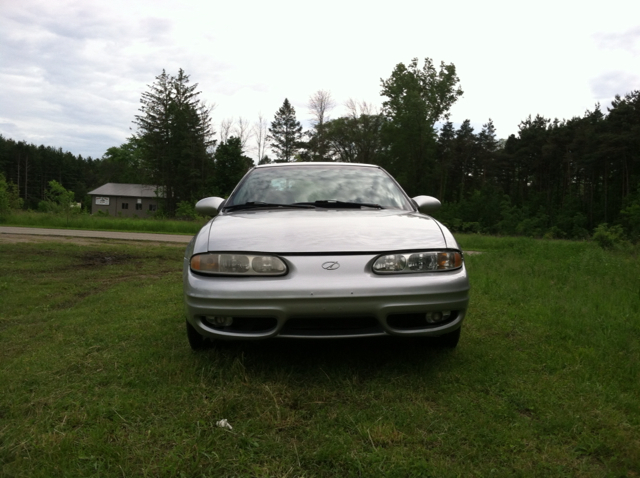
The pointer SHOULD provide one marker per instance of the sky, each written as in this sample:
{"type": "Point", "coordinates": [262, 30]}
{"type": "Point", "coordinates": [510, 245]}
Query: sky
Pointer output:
{"type": "Point", "coordinates": [72, 71]}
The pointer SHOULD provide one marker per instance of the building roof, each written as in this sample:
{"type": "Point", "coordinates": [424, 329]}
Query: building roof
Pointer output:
{"type": "Point", "coordinates": [127, 190]}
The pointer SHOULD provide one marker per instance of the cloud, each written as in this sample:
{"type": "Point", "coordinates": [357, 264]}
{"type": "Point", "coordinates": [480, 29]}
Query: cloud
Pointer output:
{"type": "Point", "coordinates": [75, 72]}
{"type": "Point", "coordinates": [628, 40]}
{"type": "Point", "coordinates": [612, 83]}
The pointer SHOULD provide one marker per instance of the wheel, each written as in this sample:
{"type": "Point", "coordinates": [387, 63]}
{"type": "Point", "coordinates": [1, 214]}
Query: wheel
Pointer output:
{"type": "Point", "coordinates": [449, 340]}
{"type": "Point", "coordinates": [197, 341]}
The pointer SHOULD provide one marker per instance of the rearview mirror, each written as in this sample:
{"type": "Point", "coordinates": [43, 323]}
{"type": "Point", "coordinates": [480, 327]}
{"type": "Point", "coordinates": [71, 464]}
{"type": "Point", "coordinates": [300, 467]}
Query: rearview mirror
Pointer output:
{"type": "Point", "coordinates": [427, 204]}
{"type": "Point", "coordinates": [209, 206]}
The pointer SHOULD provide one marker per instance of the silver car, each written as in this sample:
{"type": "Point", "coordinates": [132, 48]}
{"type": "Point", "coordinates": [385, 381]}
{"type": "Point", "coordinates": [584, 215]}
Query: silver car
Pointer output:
{"type": "Point", "coordinates": [322, 250]}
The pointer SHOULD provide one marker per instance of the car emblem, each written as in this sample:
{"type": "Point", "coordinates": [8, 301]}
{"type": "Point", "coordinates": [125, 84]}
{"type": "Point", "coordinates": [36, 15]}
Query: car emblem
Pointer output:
{"type": "Point", "coordinates": [331, 266]}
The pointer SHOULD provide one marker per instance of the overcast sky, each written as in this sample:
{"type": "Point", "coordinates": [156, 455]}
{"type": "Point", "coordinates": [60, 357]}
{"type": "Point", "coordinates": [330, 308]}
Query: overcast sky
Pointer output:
{"type": "Point", "coordinates": [72, 72]}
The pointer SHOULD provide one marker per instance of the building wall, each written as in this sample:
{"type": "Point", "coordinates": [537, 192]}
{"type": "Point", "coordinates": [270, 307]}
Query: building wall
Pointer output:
{"type": "Point", "coordinates": [115, 207]}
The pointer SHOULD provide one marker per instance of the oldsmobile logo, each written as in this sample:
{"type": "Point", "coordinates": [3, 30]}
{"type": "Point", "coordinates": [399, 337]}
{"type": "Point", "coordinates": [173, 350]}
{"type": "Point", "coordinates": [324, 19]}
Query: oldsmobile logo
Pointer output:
{"type": "Point", "coordinates": [331, 265]}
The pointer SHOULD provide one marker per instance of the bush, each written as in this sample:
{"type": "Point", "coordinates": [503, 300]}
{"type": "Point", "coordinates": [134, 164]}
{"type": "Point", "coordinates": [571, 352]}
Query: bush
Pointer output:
{"type": "Point", "coordinates": [9, 197]}
{"type": "Point", "coordinates": [58, 200]}
{"type": "Point", "coordinates": [510, 217]}
{"type": "Point", "coordinates": [610, 237]}
{"type": "Point", "coordinates": [186, 210]}
{"type": "Point", "coordinates": [630, 218]}
{"type": "Point", "coordinates": [554, 233]}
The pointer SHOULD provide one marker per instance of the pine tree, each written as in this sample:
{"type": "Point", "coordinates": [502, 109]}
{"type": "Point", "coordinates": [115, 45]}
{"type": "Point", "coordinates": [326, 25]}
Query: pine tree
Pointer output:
{"type": "Point", "coordinates": [176, 138]}
{"type": "Point", "coordinates": [230, 166]}
{"type": "Point", "coordinates": [285, 133]}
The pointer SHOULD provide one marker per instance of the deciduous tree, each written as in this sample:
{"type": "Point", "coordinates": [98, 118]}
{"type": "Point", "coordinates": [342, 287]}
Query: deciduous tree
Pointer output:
{"type": "Point", "coordinates": [260, 137]}
{"type": "Point", "coordinates": [416, 99]}
{"type": "Point", "coordinates": [320, 103]}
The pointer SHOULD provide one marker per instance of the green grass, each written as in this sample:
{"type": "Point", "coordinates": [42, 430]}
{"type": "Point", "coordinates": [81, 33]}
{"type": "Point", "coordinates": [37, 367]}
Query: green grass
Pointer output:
{"type": "Point", "coordinates": [98, 380]}
{"type": "Point", "coordinates": [101, 223]}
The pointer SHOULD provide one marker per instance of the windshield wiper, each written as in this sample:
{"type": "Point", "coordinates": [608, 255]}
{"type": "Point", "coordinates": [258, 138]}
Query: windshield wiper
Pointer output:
{"type": "Point", "coordinates": [260, 204]}
{"type": "Point", "coordinates": [332, 203]}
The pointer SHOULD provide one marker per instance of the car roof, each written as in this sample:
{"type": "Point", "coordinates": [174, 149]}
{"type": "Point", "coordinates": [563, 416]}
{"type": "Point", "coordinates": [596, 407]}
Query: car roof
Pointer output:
{"type": "Point", "coordinates": [315, 163]}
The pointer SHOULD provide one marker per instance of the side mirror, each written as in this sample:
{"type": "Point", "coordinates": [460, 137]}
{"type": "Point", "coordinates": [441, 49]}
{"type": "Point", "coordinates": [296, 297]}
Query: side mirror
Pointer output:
{"type": "Point", "coordinates": [209, 206]}
{"type": "Point", "coordinates": [427, 204]}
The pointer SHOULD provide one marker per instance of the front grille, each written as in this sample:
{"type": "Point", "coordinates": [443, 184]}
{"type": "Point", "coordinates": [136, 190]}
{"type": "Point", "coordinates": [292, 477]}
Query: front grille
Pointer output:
{"type": "Point", "coordinates": [247, 324]}
{"type": "Point", "coordinates": [331, 325]}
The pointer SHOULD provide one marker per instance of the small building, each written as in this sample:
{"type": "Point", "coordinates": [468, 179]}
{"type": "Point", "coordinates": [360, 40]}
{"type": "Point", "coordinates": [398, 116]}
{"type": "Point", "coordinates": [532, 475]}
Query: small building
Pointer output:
{"type": "Point", "coordinates": [126, 199]}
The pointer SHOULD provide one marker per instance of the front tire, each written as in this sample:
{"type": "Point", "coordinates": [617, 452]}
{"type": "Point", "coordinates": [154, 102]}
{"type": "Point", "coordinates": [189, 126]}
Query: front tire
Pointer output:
{"type": "Point", "coordinates": [196, 341]}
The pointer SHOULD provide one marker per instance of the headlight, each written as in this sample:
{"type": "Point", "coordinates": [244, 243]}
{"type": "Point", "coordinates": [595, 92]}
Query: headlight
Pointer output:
{"type": "Point", "coordinates": [238, 264]}
{"type": "Point", "coordinates": [417, 262]}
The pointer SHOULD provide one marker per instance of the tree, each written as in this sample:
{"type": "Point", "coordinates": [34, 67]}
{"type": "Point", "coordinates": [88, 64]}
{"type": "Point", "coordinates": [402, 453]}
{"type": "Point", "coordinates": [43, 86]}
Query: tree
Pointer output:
{"type": "Point", "coordinates": [320, 103]}
{"type": "Point", "coordinates": [416, 99]}
{"type": "Point", "coordinates": [445, 159]}
{"type": "Point", "coordinates": [265, 160]}
{"type": "Point", "coordinates": [59, 196]}
{"type": "Point", "coordinates": [59, 200]}
{"type": "Point", "coordinates": [354, 138]}
{"type": "Point", "coordinates": [176, 138]}
{"type": "Point", "coordinates": [487, 147]}
{"type": "Point", "coordinates": [123, 164]}
{"type": "Point", "coordinates": [260, 137]}
{"type": "Point", "coordinates": [243, 131]}
{"type": "Point", "coordinates": [466, 148]}
{"type": "Point", "coordinates": [285, 133]}
{"type": "Point", "coordinates": [230, 165]}
{"type": "Point", "coordinates": [226, 125]}
{"type": "Point", "coordinates": [9, 198]}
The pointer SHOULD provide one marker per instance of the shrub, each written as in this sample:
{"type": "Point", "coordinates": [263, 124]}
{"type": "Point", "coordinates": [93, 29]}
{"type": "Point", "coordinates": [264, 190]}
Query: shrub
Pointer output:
{"type": "Point", "coordinates": [58, 200]}
{"type": "Point", "coordinates": [9, 197]}
{"type": "Point", "coordinates": [630, 218]}
{"type": "Point", "coordinates": [186, 210]}
{"type": "Point", "coordinates": [554, 233]}
{"type": "Point", "coordinates": [610, 237]}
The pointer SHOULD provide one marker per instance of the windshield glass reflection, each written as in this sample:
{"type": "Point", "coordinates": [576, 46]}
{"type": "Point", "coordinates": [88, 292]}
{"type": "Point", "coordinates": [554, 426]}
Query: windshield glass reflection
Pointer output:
{"type": "Point", "coordinates": [289, 185]}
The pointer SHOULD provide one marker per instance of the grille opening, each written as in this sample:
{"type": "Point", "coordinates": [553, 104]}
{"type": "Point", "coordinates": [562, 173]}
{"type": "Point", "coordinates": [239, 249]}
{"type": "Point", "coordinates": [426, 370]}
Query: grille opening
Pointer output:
{"type": "Point", "coordinates": [319, 324]}
{"type": "Point", "coordinates": [416, 321]}
{"type": "Point", "coordinates": [246, 324]}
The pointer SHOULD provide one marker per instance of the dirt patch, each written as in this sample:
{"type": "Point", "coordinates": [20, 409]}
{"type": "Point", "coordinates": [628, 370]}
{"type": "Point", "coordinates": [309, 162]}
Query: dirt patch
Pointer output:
{"type": "Point", "coordinates": [93, 259]}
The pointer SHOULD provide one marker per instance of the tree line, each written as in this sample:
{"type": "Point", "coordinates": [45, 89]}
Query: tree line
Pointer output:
{"type": "Point", "coordinates": [554, 178]}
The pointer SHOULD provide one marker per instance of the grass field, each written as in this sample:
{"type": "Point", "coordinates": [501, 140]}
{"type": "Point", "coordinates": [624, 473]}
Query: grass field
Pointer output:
{"type": "Point", "coordinates": [97, 378]}
{"type": "Point", "coordinates": [100, 223]}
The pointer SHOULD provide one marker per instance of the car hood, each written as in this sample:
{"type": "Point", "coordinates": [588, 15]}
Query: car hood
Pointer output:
{"type": "Point", "coordinates": [322, 230]}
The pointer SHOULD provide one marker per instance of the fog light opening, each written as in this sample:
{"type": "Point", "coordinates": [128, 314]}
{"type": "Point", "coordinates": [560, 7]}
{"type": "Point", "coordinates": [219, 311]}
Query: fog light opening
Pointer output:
{"type": "Point", "coordinates": [219, 321]}
{"type": "Point", "coordinates": [437, 316]}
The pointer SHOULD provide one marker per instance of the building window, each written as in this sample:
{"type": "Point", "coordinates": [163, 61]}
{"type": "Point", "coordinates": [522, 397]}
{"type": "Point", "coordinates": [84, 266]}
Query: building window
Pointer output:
{"type": "Point", "coordinates": [152, 207]}
{"type": "Point", "coordinates": [125, 205]}
{"type": "Point", "coordinates": [138, 207]}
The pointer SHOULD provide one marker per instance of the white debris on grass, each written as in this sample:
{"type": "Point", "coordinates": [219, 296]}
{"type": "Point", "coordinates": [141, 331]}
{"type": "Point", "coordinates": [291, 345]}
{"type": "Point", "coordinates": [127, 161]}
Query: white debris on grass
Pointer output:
{"type": "Point", "coordinates": [224, 424]}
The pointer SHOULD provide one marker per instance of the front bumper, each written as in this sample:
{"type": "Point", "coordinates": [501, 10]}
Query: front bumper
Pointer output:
{"type": "Point", "coordinates": [310, 302]}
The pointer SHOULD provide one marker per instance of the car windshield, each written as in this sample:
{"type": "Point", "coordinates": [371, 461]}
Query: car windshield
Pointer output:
{"type": "Point", "coordinates": [317, 185]}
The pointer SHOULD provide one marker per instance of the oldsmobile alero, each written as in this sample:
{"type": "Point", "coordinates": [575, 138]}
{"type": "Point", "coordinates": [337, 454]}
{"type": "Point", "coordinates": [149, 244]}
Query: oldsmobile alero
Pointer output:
{"type": "Point", "coordinates": [322, 250]}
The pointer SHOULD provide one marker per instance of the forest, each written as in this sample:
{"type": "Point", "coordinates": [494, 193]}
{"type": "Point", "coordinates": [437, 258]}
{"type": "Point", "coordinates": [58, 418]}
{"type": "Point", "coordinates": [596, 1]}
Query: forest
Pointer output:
{"type": "Point", "coordinates": [555, 178]}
